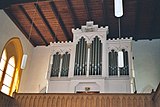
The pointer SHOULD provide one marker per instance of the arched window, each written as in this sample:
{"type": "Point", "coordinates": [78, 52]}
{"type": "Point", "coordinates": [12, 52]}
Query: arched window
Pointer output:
{"type": "Point", "coordinates": [10, 71]}
{"type": "Point", "coordinates": [2, 63]}
{"type": "Point", "coordinates": [8, 78]}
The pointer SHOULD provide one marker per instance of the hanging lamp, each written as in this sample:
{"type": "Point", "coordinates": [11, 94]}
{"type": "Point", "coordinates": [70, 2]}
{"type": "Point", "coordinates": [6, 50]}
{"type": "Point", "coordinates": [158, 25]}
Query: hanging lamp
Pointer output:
{"type": "Point", "coordinates": [118, 12]}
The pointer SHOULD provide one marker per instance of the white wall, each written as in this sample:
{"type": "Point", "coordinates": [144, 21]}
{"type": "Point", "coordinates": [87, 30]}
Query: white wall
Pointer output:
{"type": "Point", "coordinates": [36, 77]}
{"type": "Point", "coordinates": [9, 30]}
{"type": "Point", "coordinates": [147, 64]}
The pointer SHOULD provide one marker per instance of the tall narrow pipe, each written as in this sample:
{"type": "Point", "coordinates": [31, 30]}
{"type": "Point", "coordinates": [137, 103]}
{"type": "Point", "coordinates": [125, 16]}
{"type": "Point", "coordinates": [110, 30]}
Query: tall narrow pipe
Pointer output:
{"type": "Point", "coordinates": [68, 64]}
{"type": "Point", "coordinates": [58, 65]}
{"type": "Point", "coordinates": [75, 65]}
{"type": "Point", "coordinates": [86, 51]}
{"type": "Point", "coordinates": [55, 69]}
{"type": "Point", "coordinates": [64, 67]}
{"type": "Point", "coordinates": [84, 58]}
{"type": "Point", "coordinates": [98, 58]}
{"type": "Point", "coordinates": [81, 55]}
{"type": "Point", "coordinates": [90, 62]}
{"type": "Point", "coordinates": [95, 57]}
{"type": "Point", "coordinates": [78, 64]}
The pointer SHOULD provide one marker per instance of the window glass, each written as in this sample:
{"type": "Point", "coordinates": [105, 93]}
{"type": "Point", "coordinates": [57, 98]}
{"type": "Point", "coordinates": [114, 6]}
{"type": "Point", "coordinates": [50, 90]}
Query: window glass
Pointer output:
{"type": "Point", "coordinates": [1, 75]}
{"type": "Point", "coordinates": [3, 60]}
{"type": "Point", "coordinates": [5, 89]}
{"type": "Point", "coordinates": [7, 80]}
{"type": "Point", "coordinates": [10, 67]}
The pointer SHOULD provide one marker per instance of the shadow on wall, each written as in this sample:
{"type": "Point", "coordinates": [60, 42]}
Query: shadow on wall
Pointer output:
{"type": "Point", "coordinates": [148, 89]}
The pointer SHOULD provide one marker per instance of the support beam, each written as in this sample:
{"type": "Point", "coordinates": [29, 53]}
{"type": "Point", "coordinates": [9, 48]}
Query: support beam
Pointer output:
{"type": "Point", "coordinates": [32, 23]}
{"type": "Point", "coordinates": [45, 22]}
{"type": "Point", "coordinates": [104, 8]}
{"type": "Point", "coordinates": [22, 29]}
{"type": "Point", "coordinates": [137, 19]}
{"type": "Point", "coordinates": [72, 13]}
{"type": "Point", "coordinates": [153, 33]}
{"type": "Point", "coordinates": [54, 9]}
{"type": "Point", "coordinates": [86, 4]}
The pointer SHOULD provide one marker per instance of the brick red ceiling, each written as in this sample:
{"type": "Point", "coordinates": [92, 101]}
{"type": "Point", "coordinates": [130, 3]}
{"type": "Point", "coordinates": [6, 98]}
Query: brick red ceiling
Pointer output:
{"type": "Point", "coordinates": [53, 20]}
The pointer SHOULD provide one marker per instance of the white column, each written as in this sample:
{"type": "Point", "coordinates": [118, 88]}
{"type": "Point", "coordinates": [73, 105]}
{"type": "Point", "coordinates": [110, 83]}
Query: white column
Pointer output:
{"type": "Point", "coordinates": [104, 59]}
{"type": "Point", "coordinates": [59, 75]}
{"type": "Point", "coordinates": [88, 58]}
{"type": "Point", "coordinates": [72, 61]}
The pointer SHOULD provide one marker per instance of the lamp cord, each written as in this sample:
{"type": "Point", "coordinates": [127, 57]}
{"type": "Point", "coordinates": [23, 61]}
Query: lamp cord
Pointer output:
{"type": "Point", "coordinates": [119, 32]}
{"type": "Point", "coordinates": [30, 31]}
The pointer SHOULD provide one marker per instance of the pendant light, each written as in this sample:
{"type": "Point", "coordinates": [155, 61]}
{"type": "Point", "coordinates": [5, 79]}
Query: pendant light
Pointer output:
{"type": "Point", "coordinates": [118, 11]}
{"type": "Point", "coordinates": [25, 56]}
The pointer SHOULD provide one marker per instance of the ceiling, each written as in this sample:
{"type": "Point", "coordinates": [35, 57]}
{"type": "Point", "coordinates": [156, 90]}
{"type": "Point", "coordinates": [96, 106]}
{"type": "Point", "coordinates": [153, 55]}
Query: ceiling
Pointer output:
{"type": "Point", "coordinates": [48, 21]}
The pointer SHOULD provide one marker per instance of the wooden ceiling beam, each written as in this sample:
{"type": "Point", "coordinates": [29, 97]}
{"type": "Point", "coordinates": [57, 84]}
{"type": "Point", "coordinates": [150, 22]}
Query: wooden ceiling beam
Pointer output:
{"type": "Point", "coordinates": [137, 19]}
{"type": "Point", "coordinates": [58, 17]}
{"type": "Point", "coordinates": [22, 29]}
{"type": "Point", "coordinates": [72, 13]}
{"type": "Point", "coordinates": [86, 5]}
{"type": "Point", "coordinates": [45, 21]}
{"type": "Point", "coordinates": [104, 7]}
{"type": "Point", "coordinates": [32, 24]}
{"type": "Point", "coordinates": [156, 10]}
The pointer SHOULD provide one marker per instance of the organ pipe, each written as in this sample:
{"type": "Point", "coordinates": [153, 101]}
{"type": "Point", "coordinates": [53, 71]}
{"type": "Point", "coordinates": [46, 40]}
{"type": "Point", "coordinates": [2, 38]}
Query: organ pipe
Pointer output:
{"type": "Point", "coordinates": [55, 65]}
{"type": "Point", "coordinates": [80, 59]}
{"type": "Point", "coordinates": [113, 63]}
{"type": "Point", "coordinates": [65, 64]}
{"type": "Point", "coordinates": [76, 60]}
{"type": "Point", "coordinates": [90, 62]}
{"type": "Point", "coordinates": [125, 69]}
{"type": "Point", "coordinates": [98, 57]}
{"type": "Point", "coordinates": [86, 55]}
{"type": "Point", "coordinates": [95, 61]}
{"type": "Point", "coordinates": [81, 55]}
{"type": "Point", "coordinates": [95, 57]}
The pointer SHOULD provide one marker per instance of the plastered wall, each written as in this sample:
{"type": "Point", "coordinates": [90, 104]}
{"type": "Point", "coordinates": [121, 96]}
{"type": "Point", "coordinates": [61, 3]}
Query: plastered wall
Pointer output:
{"type": "Point", "coordinates": [146, 64]}
{"type": "Point", "coordinates": [9, 30]}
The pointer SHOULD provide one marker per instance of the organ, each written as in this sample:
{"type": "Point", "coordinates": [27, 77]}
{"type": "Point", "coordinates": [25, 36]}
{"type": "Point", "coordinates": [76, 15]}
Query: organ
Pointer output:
{"type": "Point", "coordinates": [91, 61]}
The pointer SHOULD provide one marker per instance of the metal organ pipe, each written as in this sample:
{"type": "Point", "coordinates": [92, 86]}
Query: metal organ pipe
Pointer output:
{"type": "Point", "coordinates": [68, 60]}
{"type": "Point", "coordinates": [85, 58]}
{"type": "Point", "coordinates": [78, 61]}
{"type": "Point", "coordinates": [98, 57]}
{"type": "Point", "coordinates": [81, 55]}
{"type": "Point", "coordinates": [100, 60]}
{"type": "Point", "coordinates": [95, 57]}
{"type": "Point", "coordinates": [91, 57]}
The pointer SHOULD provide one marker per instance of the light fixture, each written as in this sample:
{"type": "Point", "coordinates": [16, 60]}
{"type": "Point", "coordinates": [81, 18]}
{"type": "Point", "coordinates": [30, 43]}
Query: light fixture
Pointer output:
{"type": "Point", "coordinates": [24, 60]}
{"type": "Point", "coordinates": [118, 11]}
{"type": "Point", "coordinates": [25, 56]}
{"type": "Point", "coordinates": [118, 8]}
